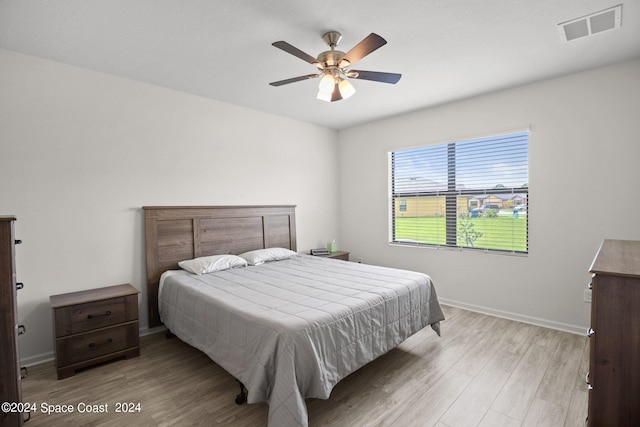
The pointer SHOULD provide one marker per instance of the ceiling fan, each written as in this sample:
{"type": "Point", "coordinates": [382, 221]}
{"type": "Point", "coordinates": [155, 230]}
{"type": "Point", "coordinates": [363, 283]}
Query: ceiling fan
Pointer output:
{"type": "Point", "coordinates": [333, 66]}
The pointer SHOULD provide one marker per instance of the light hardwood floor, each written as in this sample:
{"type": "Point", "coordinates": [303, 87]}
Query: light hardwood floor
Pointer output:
{"type": "Point", "coordinates": [483, 371]}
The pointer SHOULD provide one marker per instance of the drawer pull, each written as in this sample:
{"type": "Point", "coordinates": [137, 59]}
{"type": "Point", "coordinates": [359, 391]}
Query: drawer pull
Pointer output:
{"type": "Point", "coordinates": [17, 242]}
{"type": "Point", "coordinates": [94, 345]}
{"type": "Point", "coordinates": [19, 286]}
{"type": "Point", "coordinates": [24, 372]}
{"type": "Point", "coordinates": [590, 332]}
{"type": "Point", "coordinates": [21, 329]}
{"type": "Point", "coordinates": [586, 379]}
{"type": "Point", "coordinates": [97, 316]}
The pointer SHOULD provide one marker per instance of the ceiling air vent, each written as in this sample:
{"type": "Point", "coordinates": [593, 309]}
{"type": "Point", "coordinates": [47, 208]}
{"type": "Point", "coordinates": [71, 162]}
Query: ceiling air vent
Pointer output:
{"type": "Point", "coordinates": [598, 22]}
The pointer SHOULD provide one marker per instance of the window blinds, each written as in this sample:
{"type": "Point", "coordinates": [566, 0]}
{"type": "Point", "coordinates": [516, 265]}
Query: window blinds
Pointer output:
{"type": "Point", "coordinates": [471, 194]}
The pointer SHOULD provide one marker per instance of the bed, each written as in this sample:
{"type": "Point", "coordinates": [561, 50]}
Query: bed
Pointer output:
{"type": "Point", "coordinates": [287, 329]}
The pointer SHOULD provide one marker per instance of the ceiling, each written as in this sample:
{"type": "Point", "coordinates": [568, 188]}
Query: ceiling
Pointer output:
{"type": "Point", "coordinates": [445, 49]}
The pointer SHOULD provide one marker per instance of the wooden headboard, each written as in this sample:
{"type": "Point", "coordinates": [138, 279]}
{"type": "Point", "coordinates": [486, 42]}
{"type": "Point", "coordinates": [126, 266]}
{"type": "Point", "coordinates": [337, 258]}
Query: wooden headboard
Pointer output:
{"type": "Point", "coordinates": [176, 233]}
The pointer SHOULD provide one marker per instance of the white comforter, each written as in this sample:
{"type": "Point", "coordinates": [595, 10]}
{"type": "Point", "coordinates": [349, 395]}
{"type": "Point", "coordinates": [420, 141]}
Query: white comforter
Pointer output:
{"type": "Point", "coordinates": [292, 329]}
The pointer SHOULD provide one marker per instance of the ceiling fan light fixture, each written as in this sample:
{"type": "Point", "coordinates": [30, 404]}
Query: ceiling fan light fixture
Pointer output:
{"type": "Point", "coordinates": [344, 63]}
{"type": "Point", "coordinates": [327, 83]}
{"type": "Point", "coordinates": [333, 66]}
{"type": "Point", "coordinates": [324, 96]}
{"type": "Point", "coordinates": [346, 88]}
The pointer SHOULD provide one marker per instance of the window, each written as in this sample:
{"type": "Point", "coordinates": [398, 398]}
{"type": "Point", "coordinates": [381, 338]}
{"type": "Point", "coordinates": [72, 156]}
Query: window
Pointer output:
{"type": "Point", "coordinates": [471, 194]}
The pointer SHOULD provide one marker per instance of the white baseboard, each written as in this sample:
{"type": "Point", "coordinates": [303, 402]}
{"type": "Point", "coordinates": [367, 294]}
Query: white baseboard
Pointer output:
{"type": "Point", "coordinates": [574, 329]}
{"type": "Point", "coordinates": [37, 359]}
{"type": "Point", "coordinates": [49, 356]}
{"type": "Point", "coordinates": [148, 331]}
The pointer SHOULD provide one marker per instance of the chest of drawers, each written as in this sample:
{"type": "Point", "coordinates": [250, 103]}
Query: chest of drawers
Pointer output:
{"type": "Point", "coordinates": [614, 363]}
{"type": "Point", "coordinates": [94, 326]}
{"type": "Point", "coordinates": [10, 381]}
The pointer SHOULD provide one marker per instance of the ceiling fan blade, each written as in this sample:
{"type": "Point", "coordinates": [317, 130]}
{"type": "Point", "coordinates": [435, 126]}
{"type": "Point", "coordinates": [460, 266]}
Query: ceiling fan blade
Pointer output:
{"type": "Point", "coordinates": [336, 95]}
{"type": "Point", "coordinates": [297, 52]}
{"type": "Point", "coordinates": [376, 76]}
{"type": "Point", "coordinates": [362, 49]}
{"type": "Point", "coordinates": [294, 79]}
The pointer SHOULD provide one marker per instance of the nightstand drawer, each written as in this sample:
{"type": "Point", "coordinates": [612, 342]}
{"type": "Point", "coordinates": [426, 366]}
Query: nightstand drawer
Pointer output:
{"type": "Point", "coordinates": [89, 345]}
{"type": "Point", "coordinates": [93, 315]}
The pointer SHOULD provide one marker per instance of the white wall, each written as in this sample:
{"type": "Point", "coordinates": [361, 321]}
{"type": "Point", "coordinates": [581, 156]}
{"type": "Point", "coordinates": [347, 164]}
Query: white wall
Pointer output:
{"type": "Point", "coordinates": [584, 156]}
{"type": "Point", "coordinates": [81, 152]}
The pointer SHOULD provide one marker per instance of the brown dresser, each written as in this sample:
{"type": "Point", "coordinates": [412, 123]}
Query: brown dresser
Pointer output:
{"type": "Point", "coordinates": [94, 326]}
{"type": "Point", "coordinates": [614, 365]}
{"type": "Point", "coordinates": [10, 388]}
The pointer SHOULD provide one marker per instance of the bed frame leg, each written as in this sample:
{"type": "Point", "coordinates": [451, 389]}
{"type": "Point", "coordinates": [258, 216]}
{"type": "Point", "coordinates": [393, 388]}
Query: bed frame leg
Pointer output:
{"type": "Point", "coordinates": [242, 397]}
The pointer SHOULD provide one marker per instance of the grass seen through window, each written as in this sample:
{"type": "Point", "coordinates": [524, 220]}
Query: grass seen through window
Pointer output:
{"type": "Point", "coordinates": [498, 232]}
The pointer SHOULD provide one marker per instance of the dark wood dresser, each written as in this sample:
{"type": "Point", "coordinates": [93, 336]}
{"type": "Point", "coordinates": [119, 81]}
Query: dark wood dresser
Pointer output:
{"type": "Point", "coordinates": [94, 326]}
{"type": "Point", "coordinates": [10, 388]}
{"type": "Point", "coordinates": [614, 365]}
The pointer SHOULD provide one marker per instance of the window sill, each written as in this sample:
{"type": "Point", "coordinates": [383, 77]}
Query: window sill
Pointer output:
{"type": "Point", "coordinates": [461, 249]}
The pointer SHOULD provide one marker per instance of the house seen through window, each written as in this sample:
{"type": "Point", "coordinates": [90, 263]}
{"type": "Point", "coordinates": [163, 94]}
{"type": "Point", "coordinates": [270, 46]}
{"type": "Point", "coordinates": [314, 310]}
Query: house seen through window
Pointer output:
{"type": "Point", "coordinates": [471, 194]}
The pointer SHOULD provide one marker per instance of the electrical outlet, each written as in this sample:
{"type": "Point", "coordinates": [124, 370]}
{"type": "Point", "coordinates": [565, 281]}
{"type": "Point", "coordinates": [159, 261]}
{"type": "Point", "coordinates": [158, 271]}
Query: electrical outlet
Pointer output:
{"type": "Point", "coordinates": [587, 295]}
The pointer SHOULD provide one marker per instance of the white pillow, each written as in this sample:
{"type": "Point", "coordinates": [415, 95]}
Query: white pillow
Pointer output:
{"type": "Point", "coordinates": [260, 256]}
{"type": "Point", "coordinates": [209, 264]}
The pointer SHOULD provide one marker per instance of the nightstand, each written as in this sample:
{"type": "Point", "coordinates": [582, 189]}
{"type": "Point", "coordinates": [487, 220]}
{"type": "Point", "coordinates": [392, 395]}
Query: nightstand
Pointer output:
{"type": "Point", "coordinates": [94, 326]}
{"type": "Point", "coordinates": [337, 255]}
